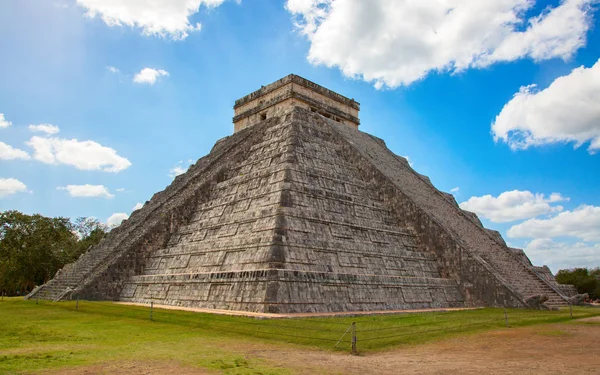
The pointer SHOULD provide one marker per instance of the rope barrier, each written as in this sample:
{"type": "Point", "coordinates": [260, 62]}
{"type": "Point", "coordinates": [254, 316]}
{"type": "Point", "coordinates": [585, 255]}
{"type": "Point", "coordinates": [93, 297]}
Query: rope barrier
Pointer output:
{"type": "Point", "coordinates": [268, 328]}
{"type": "Point", "coordinates": [237, 330]}
{"type": "Point", "coordinates": [428, 331]}
{"type": "Point", "coordinates": [405, 326]}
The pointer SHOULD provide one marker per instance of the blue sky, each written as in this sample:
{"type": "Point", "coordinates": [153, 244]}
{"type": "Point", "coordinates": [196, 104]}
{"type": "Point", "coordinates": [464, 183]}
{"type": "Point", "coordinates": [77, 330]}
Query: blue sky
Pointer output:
{"type": "Point", "coordinates": [129, 91]}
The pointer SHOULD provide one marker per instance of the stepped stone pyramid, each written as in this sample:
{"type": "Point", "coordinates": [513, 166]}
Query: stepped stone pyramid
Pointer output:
{"type": "Point", "coordinates": [299, 211]}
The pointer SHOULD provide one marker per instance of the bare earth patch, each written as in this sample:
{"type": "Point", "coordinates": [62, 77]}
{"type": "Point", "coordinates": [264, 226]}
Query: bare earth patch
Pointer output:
{"type": "Point", "coordinates": [542, 349]}
{"type": "Point", "coordinates": [555, 349]}
{"type": "Point", "coordinates": [131, 368]}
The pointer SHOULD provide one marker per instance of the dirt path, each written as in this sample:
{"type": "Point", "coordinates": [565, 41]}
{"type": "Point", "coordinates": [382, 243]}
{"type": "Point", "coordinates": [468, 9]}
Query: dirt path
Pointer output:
{"type": "Point", "coordinates": [547, 349]}
{"type": "Point", "coordinates": [541, 349]}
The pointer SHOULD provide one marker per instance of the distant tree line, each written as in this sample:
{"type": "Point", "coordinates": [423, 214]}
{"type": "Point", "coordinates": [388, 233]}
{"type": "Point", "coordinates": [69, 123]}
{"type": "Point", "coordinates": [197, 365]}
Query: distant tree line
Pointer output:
{"type": "Point", "coordinates": [34, 247]}
{"type": "Point", "coordinates": [585, 280]}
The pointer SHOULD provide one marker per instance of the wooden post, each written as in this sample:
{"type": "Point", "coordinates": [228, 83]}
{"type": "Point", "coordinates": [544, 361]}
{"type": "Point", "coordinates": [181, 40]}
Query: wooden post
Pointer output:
{"type": "Point", "coordinates": [505, 318]}
{"type": "Point", "coordinates": [151, 307]}
{"type": "Point", "coordinates": [354, 352]}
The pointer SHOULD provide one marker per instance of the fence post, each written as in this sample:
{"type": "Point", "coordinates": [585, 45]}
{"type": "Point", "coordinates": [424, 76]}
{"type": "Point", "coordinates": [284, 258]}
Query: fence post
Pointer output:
{"type": "Point", "coordinates": [571, 310]}
{"type": "Point", "coordinates": [505, 318]}
{"type": "Point", "coordinates": [151, 307]}
{"type": "Point", "coordinates": [354, 338]}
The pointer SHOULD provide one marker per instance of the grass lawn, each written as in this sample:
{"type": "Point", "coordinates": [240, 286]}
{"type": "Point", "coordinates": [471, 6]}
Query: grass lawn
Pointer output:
{"type": "Point", "coordinates": [45, 336]}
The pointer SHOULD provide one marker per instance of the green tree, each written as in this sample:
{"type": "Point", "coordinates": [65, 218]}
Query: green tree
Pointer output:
{"type": "Point", "coordinates": [586, 281]}
{"type": "Point", "coordinates": [34, 247]}
{"type": "Point", "coordinates": [89, 231]}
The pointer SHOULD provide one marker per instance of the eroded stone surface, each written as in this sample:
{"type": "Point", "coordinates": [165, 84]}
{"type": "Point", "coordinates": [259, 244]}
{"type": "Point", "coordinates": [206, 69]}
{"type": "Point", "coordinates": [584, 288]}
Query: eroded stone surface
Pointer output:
{"type": "Point", "coordinates": [301, 213]}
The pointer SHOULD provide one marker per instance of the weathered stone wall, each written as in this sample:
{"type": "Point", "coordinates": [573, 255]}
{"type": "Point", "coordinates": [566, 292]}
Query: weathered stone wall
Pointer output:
{"type": "Point", "coordinates": [122, 251]}
{"type": "Point", "coordinates": [444, 229]}
{"type": "Point", "coordinates": [292, 228]}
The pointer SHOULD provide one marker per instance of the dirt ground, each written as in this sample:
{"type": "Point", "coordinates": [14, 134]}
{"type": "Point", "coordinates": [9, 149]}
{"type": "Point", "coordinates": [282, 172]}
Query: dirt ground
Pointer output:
{"type": "Point", "coordinates": [541, 349]}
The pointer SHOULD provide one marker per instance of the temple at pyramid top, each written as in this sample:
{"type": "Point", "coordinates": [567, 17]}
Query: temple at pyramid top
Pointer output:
{"type": "Point", "coordinates": [281, 96]}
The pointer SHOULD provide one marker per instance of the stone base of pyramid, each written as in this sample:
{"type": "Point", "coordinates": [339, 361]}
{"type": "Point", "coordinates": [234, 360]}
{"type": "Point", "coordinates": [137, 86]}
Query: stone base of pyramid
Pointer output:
{"type": "Point", "coordinates": [288, 291]}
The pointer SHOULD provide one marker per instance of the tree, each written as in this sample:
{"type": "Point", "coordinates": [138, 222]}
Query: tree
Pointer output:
{"type": "Point", "coordinates": [89, 231]}
{"type": "Point", "coordinates": [586, 281]}
{"type": "Point", "coordinates": [34, 247]}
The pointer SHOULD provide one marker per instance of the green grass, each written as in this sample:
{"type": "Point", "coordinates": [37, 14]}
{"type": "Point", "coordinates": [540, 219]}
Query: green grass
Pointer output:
{"type": "Point", "coordinates": [44, 336]}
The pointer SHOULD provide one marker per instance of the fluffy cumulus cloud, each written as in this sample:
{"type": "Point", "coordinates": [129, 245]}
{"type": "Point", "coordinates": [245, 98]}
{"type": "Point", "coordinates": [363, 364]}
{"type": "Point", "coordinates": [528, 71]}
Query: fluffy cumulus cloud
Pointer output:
{"type": "Point", "coordinates": [566, 111]}
{"type": "Point", "coordinates": [4, 123]}
{"type": "Point", "coordinates": [178, 169]}
{"type": "Point", "coordinates": [7, 152]}
{"type": "Point", "coordinates": [149, 75]}
{"type": "Point", "coordinates": [116, 219]}
{"type": "Point", "coordinates": [10, 186]}
{"type": "Point", "coordinates": [112, 69]}
{"type": "Point", "coordinates": [513, 205]}
{"type": "Point", "coordinates": [44, 128]}
{"type": "Point", "coordinates": [85, 155]}
{"type": "Point", "coordinates": [582, 223]}
{"type": "Point", "coordinates": [165, 18]}
{"type": "Point", "coordinates": [393, 43]}
{"type": "Point", "coordinates": [559, 255]}
{"type": "Point", "coordinates": [87, 191]}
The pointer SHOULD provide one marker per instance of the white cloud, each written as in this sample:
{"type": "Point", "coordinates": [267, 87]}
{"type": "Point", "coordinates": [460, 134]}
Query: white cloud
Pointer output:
{"type": "Point", "coordinates": [513, 205]}
{"type": "Point", "coordinates": [178, 169]}
{"type": "Point", "coordinates": [7, 152]}
{"type": "Point", "coordinates": [560, 255]}
{"type": "Point", "coordinates": [393, 43]}
{"type": "Point", "coordinates": [4, 123]}
{"type": "Point", "coordinates": [44, 128]}
{"type": "Point", "coordinates": [566, 111]}
{"type": "Point", "coordinates": [112, 69]}
{"type": "Point", "coordinates": [115, 219]}
{"type": "Point", "coordinates": [582, 223]}
{"type": "Point", "coordinates": [137, 206]}
{"type": "Point", "coordinates": [409, 160]}
{"type": "Point", "coordinates": [164, 18]}
{"type": "Point", "coordinates": [86, 155]}
{"type": "Point", "coordinates": [455, 190]}
{"type": "Point", "coordinates": [9, 186]}
{"type": "Point", "coordinates": [149, 75]}
{"type": "Point", "coordinates": [87, 191]}
{"type": "Point", "coordinates": [120, 190]}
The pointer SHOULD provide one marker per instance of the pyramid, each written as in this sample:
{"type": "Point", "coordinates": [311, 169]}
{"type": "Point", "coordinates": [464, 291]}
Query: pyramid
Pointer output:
{"type": "Point", "coordinates": [299, 211]}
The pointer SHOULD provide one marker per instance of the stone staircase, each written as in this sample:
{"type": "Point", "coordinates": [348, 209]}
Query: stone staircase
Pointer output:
{"type": "Point", "coordinates": [523, 279]}
{"type": "Point", "coordinates": [72, 275]}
